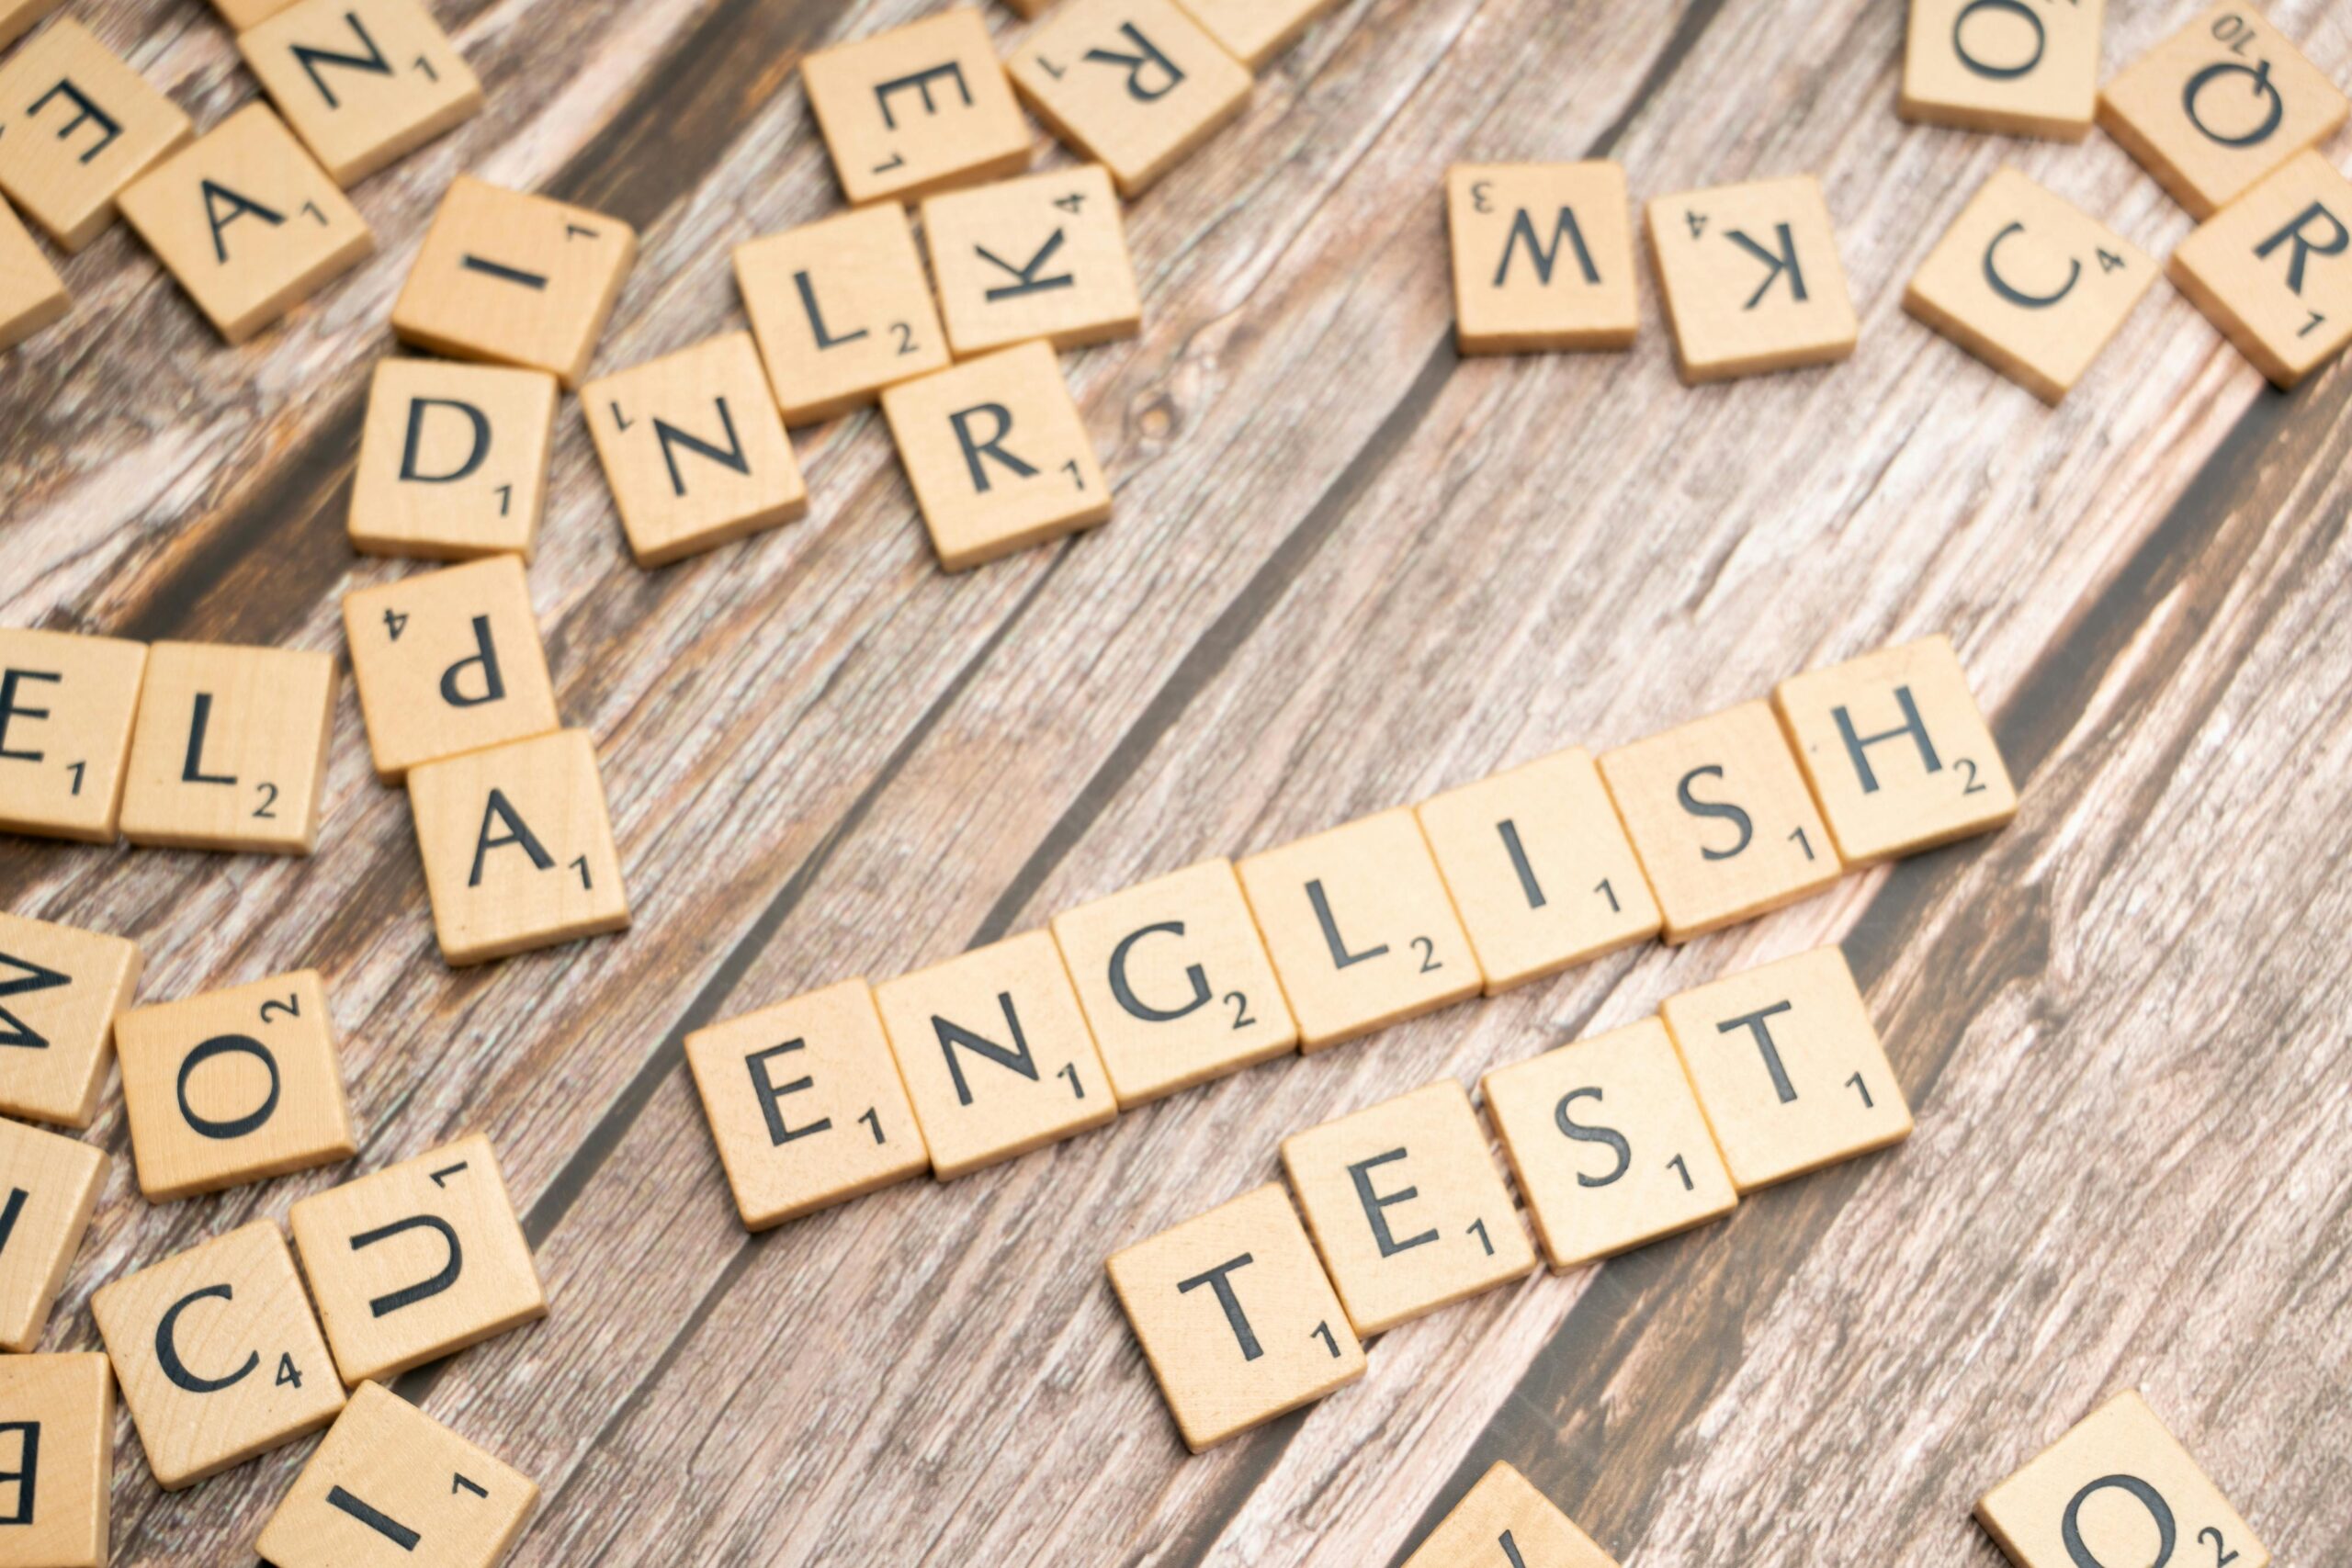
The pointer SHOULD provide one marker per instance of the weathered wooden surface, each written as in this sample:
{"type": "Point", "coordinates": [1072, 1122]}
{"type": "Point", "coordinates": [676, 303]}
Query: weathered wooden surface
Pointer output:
{"type": "Point", "coordinates": [1347, 570]}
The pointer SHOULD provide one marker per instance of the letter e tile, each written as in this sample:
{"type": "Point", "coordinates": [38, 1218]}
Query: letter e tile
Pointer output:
{"type": "Point", "coordinates": [67, 702]}
{"type": "Point", "coordinates": [917, 108]}
{"type": "Point", "coordinates": [77, 124]}
{"type": "Point", "coordinates": [56, 1458]}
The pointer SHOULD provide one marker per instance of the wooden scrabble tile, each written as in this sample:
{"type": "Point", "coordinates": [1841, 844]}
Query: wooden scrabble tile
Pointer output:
{"type": "Point", "coordinates": [1503, 1521]}
{"type": "Point", "coordinates": [2023, 67]}
{"type": "Point", "coordinates": [842, 308]}
{"type": "Point", "coordinates": [1406, 1207]}
{"type": "Point", "coordinates": [364, 83]}
{"type": "Point", "coordinates": [2218, 106]}
{"type": "Point", "coordinates": [66, 707]}
{"type": "Point", "coordinates": [18, 18]}
{"type": "Point", "coordinates": [1540, 869]}
{"type": "Point", "coordinates": [229, 749]}
{"type": "Point", "coordinates": [997, 455]}
{"type": "Point", "coordinates": [918, 108]}
{"type": "Point", "coordinates": [48, 1186]}
{"type": "Point", "coordinates": [806, 1104]}
{"type": "Point", "coordinates": [247, 221]}
{"type": "Point", "coordinates": [1236, 1316]}
{"type": "Point", "coordinates": [1542, 256]}
{"type": "Point", "coordinates": [76, 127]}
{"type": "Point", "coordinates": [2030, 285]}
{"type": "Point", "coordinates": [233, 1087]}
{"type": "Point", "coordinates": [1751, 278]}
{"type": "Point", "coordinates": [1721, 819]}
{"type": "Point", "coordinates": [1607, 1143]}
{"type": "Point", "coordinates": [448, 663]}
{"type": "Point", "coordinates": [1040, 257]}
{"type": "Point", "coordinates": [1176, 984]}
{"type": "Point", "coordinates": [1360, 928]}
{"type": "Point", "coordinates": [1254, 31]}
{"type": "Point", "coordinates": [391, 1484]}
{"type": "Point", "coordinates": [514, 279]}
{"type": "Point", "coordinates": [56, 1460]}
{"type": "Point", "coordinates": [453, 460]}
{"type": "Point", "coordinates": [32, 296]}
{"type": "Point", "coordinates": [1788, 1068]}
{"type": "Point", "coordinates": [217, 1355]}
{"type": "Point", "coordinates": [2119, 1488]}
{"type": "Point", "coordinates": [694, 450]}
{"type": "Point", "coordinates": [2273, 270]}
{"type": "Point", "coordinates": [995, 1054]}
{"type": "Point", "coordinates": [518, 848]}
{"type": "Point", "coordinates": [417, 1261]}
{"type": "Point", "coordinates": [1898, 755]}
{"type": "Point", "coordinates": [1134, 85]}
{"type": "Point", "coordinates": [60, 992]}
{"type": "Point", "coordinates": [243, 14]}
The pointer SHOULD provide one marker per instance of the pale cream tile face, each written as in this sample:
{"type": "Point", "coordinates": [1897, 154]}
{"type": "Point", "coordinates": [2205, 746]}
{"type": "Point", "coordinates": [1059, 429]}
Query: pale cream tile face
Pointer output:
{"type": "Point", "coordinates": [67, 703]}
{"type": "Point", "coordinates": [1132, 85]}
{"type": "Point", "coordinates": [1044, 257]}
{"type": "Point", "coordinates": [841, 309]}
{"type": "Point", "coordinates": [233, 1087]}
{"type": "Point", "coordinates": [806, 1104]}
{"type": "Point", "coordinates": [1897, 751]}
{"type": "Point", "coordinates": [1236, 1316]}
{"type": "Point", "coordinates": [2119, 1488]}
{"type": "Point", "coordinates": [1175, 982]}
{"type": "Point", "coordinates": [409, 85]}
{"type": "Point", "coordinates": [65, 989]}
{"type": "Point", "coordinates": [919, 109]}
{"type": "Point", "coordinates": [448, 663]}
{"type": "Point", "coordinates": [48, 1186]}
{"type": "Point", "coordinates": [1542, 256]}
{"type": "Point", "coordinates": [1252, 31]}
{"type": "Point", "coordinates": [1540, 869]}
{"type": "Point", "coordinates": [1503, 1520]}
{"type": "Point", "coordinates": [1608, 1145]}
{"type": "Point", "coordinates": [32, 296]}
{"type": "Point", "coordinates": [229, 749]}
{"type": "Point", "coordinates": [995, 1054]}
{"type": "Point", "coordinates": [2273, 270]}
{"type": "Point", "coordinates": [2004, 66]}
{"type": "Point", "coordinates": [453, 460]}
{"type": "Point", "coordinates": [77, 124]}
{"type": "Point", "coordinates": [1788, 1067]}
{"type": "Point", "coordinates": [1751, 278]}
{"type": "Point", "coordinates": [1406, 1207]}
{"type": "Point", "coordinates": [1359, 927]}
{"type": "Point", "coordinates": [60, 1408]}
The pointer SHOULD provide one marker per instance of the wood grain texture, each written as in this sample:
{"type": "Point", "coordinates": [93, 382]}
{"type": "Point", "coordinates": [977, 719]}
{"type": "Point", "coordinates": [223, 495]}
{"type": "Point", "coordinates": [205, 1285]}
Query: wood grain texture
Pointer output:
{"type": "Point", "coordinates": [1346, 569]}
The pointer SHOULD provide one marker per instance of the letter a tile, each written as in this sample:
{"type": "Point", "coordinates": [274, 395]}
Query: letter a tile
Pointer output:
{"type": "Point", "coordinates": [1254, 31]}
{"type": "Point", "coordinates": [417, 1261]}
{"type": "Point", "coordinates": [229, 752]}
{"type": "Point", "coordinates": [61, 990]}
{"type": "Point", "coordinates": [1359, 927]}
{"type": "Point", "coordinates": [2119, 1488]}
{"type": "Point", "coordinates": [2023, 67]}
{"type": "Point", "coordinates": [32, 296]}
{"type": "Point", "coordinates": [1542, 256]}
{"type": "Point", "coordinates": [694, 450]}
{"type": "Point", "coordinates": [247, 221]}
{"type": "Point", "coordinates": [76, 125]}
{"type": "Point", "coordinates": [1608, 1145]}
{"type": "Point", "coordinates": [1175, 982]}
{"type": "Point", "coordinates": [1236, 1316]}
{"type": "Point", "coordinates": [66, 707]}
{"type": "Point", "coordinates": [364, 83]}
{"type": "Point", "coordinates": [916, 109]}
{"type": "Point", "coordinates": [1897, 753]}
{"type": "Point", "coordinates": [1788, 1067]}
{"type": "Point", "coordinates": [453, 460]}
{"type": "Point", "coordinates": [2029, 284]}
{"type": "Point", "coordinates": [1406, 1207]}
{"type": "Point", "coordinates": [806, 1104]}
{"type": "Point", "coordinates": [842, 308]}
{"type": "Point", "coordinates": [1751, 278]}
{"type": "Point", "coordinates": [995, 1054]}
{"type": "Point", "coordinates": [48, 1186]}
{"type": "Point", "coordinates": [1041, 257]}
{"type": "Point", "coordinates": [1132, 85]}
{"type": "Point", "coordinates": [448, 663]}
{"type": "Point", "coordinates": [997, 455]}
{"type": "Point", "coordinates": [1540, 869]}
{"type": "Point", "coordinates": [2273, 270]}
{"type": "Point", "coordinates": [56, 1460]}
{"type": "Point", "coordinates": [392, 1485]}
{"type": "Point", "coordinates": [1502, 1521]}
{"type": "Point", "coordinates": [233, 1087]}
{"type": "Point", "coordinates": [514, 279]}
{"type": "Point", "coordinates": [2218, 105]}
{"type": "Point", "coordinates": [1721, 820]}
{"type": "Point", "coordinates": [518, 848]}
{"type": "Point", "coordinates": [217, 1355]}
